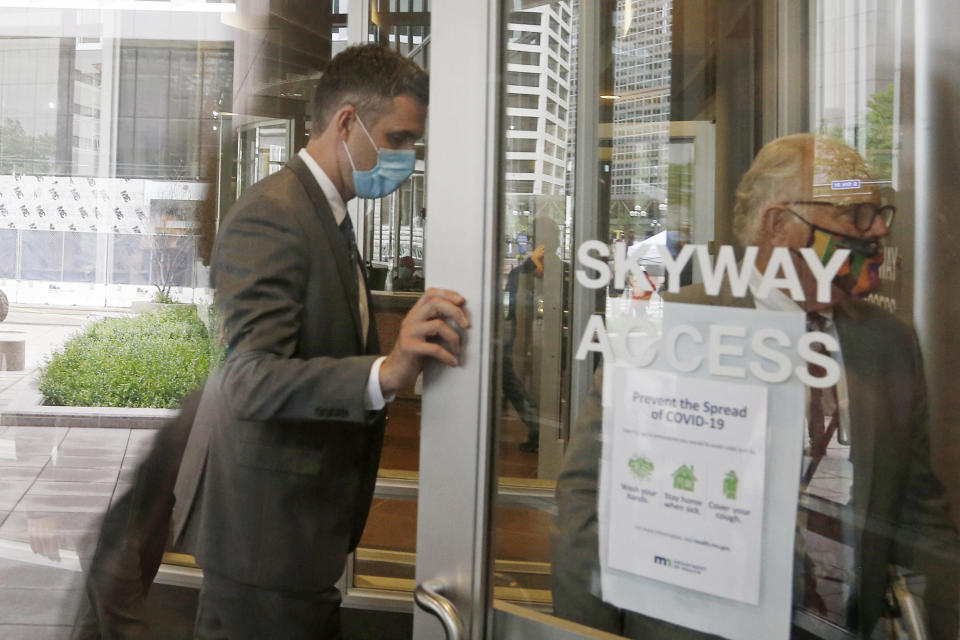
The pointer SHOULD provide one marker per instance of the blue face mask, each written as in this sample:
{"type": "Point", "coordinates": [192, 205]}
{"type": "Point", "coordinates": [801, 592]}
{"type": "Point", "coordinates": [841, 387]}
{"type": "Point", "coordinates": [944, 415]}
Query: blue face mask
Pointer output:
{"type": "Point", "coordinates": [392, 169]}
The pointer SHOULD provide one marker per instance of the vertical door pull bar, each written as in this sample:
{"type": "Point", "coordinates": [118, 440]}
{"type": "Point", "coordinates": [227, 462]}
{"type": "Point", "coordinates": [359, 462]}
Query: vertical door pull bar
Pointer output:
{"type": "Point", "coordinates": [428, 597]}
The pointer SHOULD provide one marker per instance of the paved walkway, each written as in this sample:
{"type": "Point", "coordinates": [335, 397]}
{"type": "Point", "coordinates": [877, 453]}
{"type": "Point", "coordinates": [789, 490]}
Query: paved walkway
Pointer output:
{"type": "Point", "coordinates": [55, 485]}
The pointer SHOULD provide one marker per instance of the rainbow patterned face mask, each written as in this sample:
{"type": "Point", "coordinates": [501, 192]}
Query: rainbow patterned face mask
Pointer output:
{"type": "Point", "coordinates": [860, 274]}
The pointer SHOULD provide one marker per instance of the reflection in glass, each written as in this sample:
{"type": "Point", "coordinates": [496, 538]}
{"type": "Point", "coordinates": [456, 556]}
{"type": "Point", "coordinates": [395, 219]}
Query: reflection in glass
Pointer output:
{"type": "Point", "coordinates": [681, 116]}
{"type": "Point", "coordinates": [79, 257]}
{"type": "Point", "coordinates": [131, 259]}
{"type": "Point", "coordinates": [393, 229]}
{"type": "Point", "coordinates": [42, 255]}
{"type": "Point", "coordinates": [8, 253]}
{"type": "Point", "coordinates": [534, 279]}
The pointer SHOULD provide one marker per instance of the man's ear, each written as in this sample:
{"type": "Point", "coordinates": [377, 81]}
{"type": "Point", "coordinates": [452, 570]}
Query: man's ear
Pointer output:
{"type": "Point", "coordinates": [342, 121]}
{"type": "Point", "coordinates": [775, 222]}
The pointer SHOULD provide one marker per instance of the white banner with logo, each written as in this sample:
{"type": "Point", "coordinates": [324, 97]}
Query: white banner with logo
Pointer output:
{"type": "Point", "coordinates": [700, 471]}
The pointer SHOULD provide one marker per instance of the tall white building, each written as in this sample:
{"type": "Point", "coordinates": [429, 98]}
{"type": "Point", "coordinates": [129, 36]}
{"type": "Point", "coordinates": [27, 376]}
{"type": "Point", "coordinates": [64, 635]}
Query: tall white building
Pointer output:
{"type": "Point", "coordinates": [856, 65]}
{"type": "Point", "coordinates": [641, 108]}
{"type": "Point", "coordinates": [538, 99]}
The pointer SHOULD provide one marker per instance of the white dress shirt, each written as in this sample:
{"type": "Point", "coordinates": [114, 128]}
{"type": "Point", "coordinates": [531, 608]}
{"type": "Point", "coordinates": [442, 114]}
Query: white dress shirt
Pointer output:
{"type": "Point", "coordinates": [374, 399]}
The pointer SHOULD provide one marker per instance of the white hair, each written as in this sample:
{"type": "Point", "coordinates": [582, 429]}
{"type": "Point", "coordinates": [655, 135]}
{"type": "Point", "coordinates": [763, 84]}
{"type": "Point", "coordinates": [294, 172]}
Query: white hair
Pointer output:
{"type": "Point", "coordinates": [796, 167]}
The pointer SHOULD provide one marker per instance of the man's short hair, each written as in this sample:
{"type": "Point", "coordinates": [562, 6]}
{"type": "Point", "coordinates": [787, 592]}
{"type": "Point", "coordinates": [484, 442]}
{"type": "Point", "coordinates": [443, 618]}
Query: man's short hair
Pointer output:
{"type": "Point", "coordinates": [368, 77]}
{"type": "Point", "coordinates": [796, 167]}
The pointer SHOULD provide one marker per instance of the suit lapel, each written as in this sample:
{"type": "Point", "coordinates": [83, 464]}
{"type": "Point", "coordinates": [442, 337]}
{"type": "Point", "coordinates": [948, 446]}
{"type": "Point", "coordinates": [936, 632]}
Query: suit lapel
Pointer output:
{"type": "Point", "coordinates": [341, 252]}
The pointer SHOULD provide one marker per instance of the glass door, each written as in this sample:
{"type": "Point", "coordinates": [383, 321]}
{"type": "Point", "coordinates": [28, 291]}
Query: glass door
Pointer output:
{"type": "Point", "coordinates": [631, 124]}
{"type": "Point", "coordinates": [264, 145]}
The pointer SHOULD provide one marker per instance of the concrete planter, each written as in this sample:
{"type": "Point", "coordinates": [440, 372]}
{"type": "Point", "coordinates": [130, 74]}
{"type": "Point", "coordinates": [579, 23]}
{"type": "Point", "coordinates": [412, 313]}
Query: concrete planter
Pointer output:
{"type": "Point", "coordinates": [86, 417]}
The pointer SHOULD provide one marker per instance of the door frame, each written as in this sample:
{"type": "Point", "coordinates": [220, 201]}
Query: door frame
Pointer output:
{"type": "Point", "coordinates": [457, 474]}
{"type": "Point", "coordinates": [463, 196]}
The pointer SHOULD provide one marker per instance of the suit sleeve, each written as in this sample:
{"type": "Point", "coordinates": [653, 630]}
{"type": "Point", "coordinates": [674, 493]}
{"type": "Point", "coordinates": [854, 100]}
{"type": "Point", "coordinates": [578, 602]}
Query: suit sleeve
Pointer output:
{"type": "Point", "coordinates": [261, 267]}
{"type": "Point", "coordinates": [926, 539]}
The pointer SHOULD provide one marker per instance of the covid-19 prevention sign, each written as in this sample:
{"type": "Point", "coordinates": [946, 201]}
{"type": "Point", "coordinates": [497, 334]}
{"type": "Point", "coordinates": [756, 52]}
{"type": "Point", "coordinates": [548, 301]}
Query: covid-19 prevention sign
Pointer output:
{"type": "Point", "coordinates": [686, 481]}
{"type": "Point", "coordinates": [703, 421]}
{"type": "Point", "coordinates": [700, 474]}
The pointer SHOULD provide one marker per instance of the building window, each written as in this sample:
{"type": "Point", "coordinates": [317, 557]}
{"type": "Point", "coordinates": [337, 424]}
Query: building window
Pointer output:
{"type": "Point", "coordinates": [42, 256]}
{"type": "Point", "coordinates": [523, 79]}
{"type": "Point", "coordinates": [79, 257]}
{"type": "Point", "coordinates": [522, 145]}
{"type": "Point", "coordinates": [520, 186]}
{"type": "Point", "coordinates": [531, 58]}
{"type": "Point", "coordinates": [168, 99]}
{"type": "Point", "coordinates": [522, 123]}
{"type": "Point", "coordinates": [523, 101]}
{"type": "Point", "coordinates": [525, 17]}
{"type": "Point", "coordinates": [131, 259]}
{"type": "Point", "coordinates": [521, 166]}
{"type": "Point", "coordinates": [8, 253]}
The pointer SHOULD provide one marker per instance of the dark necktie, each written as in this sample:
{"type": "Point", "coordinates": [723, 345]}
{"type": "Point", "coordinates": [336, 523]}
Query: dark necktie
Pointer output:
{"type": "Point", "coordinates": [346, 229]}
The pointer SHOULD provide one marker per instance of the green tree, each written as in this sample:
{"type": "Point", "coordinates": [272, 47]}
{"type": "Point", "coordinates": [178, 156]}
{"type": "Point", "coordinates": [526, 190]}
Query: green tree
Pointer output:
{"type": "Point", "coordinates": [880, 133]}
{"type": "Point", "coordinates": [23, 153]}
{"type": "Point", "coordinates": [831, 131]}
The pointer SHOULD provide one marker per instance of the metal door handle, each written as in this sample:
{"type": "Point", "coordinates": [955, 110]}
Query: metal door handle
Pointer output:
{"type": "Point", "coordinates": [428, 597]}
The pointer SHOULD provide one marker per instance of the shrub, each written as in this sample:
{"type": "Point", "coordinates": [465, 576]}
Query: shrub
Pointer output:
{"type": "Point", "coordinates": [162, 297]}
{"type": "Point", "coordinates": [150, 360]}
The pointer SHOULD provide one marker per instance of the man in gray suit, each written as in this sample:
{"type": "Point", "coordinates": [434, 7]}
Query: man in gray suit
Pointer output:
{"type": "Point", "coordinates": [872, 432]}
{"type": "Point", "coordinates": [296, 418]}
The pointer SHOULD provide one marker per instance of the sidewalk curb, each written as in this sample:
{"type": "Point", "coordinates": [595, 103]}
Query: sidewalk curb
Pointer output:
{"type": "Point", "coordinates": [86, 417]}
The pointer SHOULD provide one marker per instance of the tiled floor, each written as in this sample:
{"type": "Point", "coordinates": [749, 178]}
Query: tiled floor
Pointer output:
{"type": "Point", "coordinates": [55, 485]}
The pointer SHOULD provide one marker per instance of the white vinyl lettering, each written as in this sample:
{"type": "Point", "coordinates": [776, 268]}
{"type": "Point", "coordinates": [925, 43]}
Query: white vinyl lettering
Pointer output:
{"type": "Point", "coordinates": [758, 342]}
{"type": "Point", "coordinates": [726, 264]}
{"type": "Point", "coordinates": [670, 347]}
{"type": "Point", "coordinates": [824, 273]}
{"type": "Point", "coordinates": [621, 343]}
{"type": "Point", "coordinates": [601, 345]}
{"type": "Point", "coordinates": [781, 260]}
{"type": "Point", "coordinates": [830, 366]}
{"type": "Point", "coordinates": [624, 264]}
{"type": "Point", "coordinates": [675, 266]}
{"type": "Point", "coordinates": [718, 349]}
{"type": "Point", "coordinates": [588, 261]}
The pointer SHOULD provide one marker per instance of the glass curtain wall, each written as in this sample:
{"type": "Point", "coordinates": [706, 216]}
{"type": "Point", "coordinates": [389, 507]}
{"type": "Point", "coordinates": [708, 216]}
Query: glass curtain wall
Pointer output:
{"type": "Point", "coordinates": [679, 98]}
{"type": "Point", "coordinates": [393, 247]}
{"type": "Point", "coordinates": [393, 226]}
{"type": "Point", "coordinates": [108, 145]}
{"type": "Point", "coordinates": [127, 130]}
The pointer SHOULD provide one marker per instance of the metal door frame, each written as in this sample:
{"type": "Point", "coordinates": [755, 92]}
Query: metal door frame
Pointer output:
{"type": "Point", "coordinates": [462, 231]}
{"type": "Point", "coordinates": [462, 189]}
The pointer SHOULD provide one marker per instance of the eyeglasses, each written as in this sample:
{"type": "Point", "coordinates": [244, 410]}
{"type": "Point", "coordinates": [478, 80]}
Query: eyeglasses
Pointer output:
{"type": "Point", "coordinates": [863, 214]}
